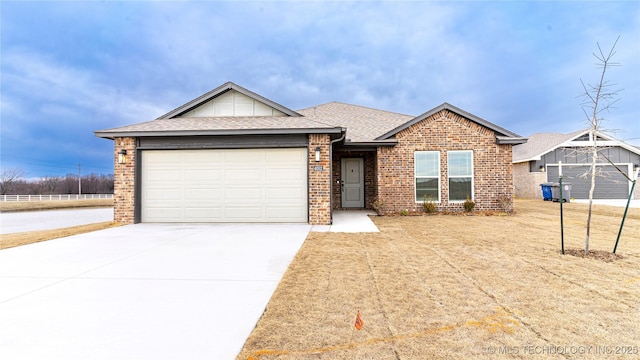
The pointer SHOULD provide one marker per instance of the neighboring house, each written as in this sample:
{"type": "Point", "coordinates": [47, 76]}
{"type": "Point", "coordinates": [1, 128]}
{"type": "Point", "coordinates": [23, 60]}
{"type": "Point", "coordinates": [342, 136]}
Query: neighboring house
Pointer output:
{"type": "Point", "coordinates": [232, 155]}
{"type": "Point", "coordinates": [537, 161]}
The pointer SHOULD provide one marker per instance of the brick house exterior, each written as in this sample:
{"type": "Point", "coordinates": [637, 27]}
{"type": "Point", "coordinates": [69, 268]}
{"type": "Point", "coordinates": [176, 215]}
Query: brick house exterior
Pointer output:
{"type": "Point", "coordinates": [444, 131]}
{"type": "Point", "coordinates": [353, 156]}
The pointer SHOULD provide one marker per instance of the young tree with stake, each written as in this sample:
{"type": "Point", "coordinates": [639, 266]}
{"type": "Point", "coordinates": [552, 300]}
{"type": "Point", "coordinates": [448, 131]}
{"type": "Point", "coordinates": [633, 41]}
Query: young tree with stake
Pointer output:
{"type": "Point", "coordinates": [598, 98]}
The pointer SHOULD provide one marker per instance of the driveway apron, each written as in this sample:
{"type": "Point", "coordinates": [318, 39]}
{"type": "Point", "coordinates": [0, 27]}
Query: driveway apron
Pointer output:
{"type": "Point", "coordinates": [145, 291]}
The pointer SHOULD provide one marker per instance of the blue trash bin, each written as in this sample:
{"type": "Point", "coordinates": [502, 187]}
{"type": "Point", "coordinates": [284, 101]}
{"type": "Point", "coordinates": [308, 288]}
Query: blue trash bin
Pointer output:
{"type": "Point", "coordinates": [547, 195]}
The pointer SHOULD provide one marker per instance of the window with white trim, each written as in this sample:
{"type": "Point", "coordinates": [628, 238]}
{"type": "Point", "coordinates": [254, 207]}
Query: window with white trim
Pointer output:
{"type": "Point", "coordinates": [427, 175]}
{"type": "Point", "coordinates": [460, 164]}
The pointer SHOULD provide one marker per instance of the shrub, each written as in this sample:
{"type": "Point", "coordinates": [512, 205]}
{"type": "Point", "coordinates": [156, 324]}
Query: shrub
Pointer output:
{"type": "Point", "coordinates": [469, 205]}
{"type": "Point", "coordinates": [506, 203]}
{"type": "Point", "coordinates": [404, 212]}
{"type": "Point", "coordinates": [428, 205]}
{"type": "Point", "coordinates": [377, 205]}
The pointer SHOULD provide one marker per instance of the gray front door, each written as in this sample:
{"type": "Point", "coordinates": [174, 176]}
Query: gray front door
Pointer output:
{"type": "Point", "coordinates": [352, 180]}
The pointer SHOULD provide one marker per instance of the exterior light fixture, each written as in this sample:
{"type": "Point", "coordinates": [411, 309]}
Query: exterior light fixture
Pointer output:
{"type": "Point", "coordinates": [542, 168]}
{"type": "Point", "coordinates": [122, 156]}
{"type": "Point", "coordinates": [317, 153]}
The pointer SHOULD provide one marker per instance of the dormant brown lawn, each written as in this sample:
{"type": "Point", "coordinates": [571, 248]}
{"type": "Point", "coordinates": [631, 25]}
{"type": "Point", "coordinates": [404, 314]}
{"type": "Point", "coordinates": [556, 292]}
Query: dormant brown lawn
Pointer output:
{"type": "Point", "coordinates": [53, 204]}
{"type": "Point", "coordinates": [30, 237]}
{"type": "Point", "coordinates": [460, 287]}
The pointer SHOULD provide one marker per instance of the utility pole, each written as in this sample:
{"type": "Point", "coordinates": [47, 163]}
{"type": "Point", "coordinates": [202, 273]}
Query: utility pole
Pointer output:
{"type": "Point", "coordinates": [79, 182]}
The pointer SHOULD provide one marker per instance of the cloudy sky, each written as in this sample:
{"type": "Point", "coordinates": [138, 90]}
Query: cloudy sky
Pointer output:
{"type": "Point", "coordinates": [70, 68]}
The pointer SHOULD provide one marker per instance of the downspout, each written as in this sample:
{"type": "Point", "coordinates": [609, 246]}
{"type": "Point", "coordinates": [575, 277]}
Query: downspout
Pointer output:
{"type": "Point", "coordinates": [344, 134]}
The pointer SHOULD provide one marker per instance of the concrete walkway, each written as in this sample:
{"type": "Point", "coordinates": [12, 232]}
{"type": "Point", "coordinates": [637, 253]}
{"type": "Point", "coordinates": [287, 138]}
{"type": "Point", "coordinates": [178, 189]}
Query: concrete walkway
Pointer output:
{"type": "Point", "coordinates": [145, 291]}
{"type": "Point", "coordinates": [352, 221]}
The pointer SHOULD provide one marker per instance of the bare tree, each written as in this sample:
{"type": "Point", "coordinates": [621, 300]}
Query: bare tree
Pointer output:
{"type": "Point", "coordinates": [9, 178]}
{"type": "Point", "coordinates": [598, 98]}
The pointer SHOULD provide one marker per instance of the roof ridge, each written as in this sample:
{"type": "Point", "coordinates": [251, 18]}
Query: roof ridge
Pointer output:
{"type": "Point", "coordinates": [356, 105]}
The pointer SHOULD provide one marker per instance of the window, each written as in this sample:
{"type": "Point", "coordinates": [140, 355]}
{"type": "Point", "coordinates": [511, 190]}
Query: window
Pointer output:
{"type": "Point", "coordinates": [427, 174]}
{"type": "Point", "coordinates": [460, 175]}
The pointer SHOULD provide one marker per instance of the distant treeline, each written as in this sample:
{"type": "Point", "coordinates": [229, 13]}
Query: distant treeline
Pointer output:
{"type": "Point", "coordinates": [90, 184]}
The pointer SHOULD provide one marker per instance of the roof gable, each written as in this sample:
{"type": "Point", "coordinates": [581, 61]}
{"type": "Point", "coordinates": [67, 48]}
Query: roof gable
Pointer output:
{"type": "Point", "coordinates": [229, 99]}
{"type": "Point", "coordinates": [543, 143]}
{"type": "Point", "coordinates": [503, 136]}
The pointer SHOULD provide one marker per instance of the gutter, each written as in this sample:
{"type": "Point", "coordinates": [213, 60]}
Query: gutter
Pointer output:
{"type": "Point", "coordinates": [161, 133]}
{"type": "Point", "coordinates": [344, 134]}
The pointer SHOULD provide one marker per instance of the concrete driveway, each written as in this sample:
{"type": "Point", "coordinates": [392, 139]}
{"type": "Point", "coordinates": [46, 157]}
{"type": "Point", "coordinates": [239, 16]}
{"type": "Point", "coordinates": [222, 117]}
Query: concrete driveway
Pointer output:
{"type": "Point", "coordinates": [145, 291]}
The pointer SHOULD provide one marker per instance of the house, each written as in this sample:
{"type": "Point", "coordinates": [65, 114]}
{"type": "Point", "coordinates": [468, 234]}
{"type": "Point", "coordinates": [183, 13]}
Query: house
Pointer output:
{"type": "Point", "coordinates": [537, 161]}
{"type": "Point", "coordinates": [232, 155]}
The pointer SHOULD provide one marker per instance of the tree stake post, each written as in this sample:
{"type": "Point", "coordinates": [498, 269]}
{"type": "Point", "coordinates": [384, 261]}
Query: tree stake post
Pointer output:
{"type": "Point", "coordinates": [633, 185]}
{"type": "Point", "coordinates": [561, 216]}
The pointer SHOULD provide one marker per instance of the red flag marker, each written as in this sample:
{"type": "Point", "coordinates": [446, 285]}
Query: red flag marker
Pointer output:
{"type": "Point", "coordinates": [359, 322]}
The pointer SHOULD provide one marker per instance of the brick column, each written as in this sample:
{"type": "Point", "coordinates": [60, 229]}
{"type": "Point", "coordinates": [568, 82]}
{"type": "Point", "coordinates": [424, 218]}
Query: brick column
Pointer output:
{"type": "Point", "coordinates": [319, 181]}
{"type": "Point", "coordinates": [124, 181]}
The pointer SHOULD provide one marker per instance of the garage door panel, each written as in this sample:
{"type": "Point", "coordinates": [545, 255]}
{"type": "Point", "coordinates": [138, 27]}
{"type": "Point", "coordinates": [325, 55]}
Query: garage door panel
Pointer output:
{"type": "Point", "coordinates": [243, 175]}
{"type": "Point", "coordinates": [278, 212]}
{"type": "Point", "coordinates": [243, 194]}
{"type": "Point", "coordinates": [204, 214]}
{"type": "Point", "coordinates": [164, 213]}
{"type": "Point", "coordinates": [166, 194]}
{"type": "Point", "coordinates": [248, 185]}
{"type": "Point", "coordinates": [168, 157]}
{"type": "Point", "coordinates": [245, 156]}
{"type": "Point", "coordinates": [202, 175]}
{"type": "Point", "coordinates": [285, 174]}
{"type": "Point", "coordinates": [203, 157]}
{"type": "Point", "coordinates": [285, 157]}
{"type": "Point", "coordinates": [284, 194]}
{"type": "Point", "coordinates": [205, 194]}
{"type": "Point", "coordinates": [248, 213]}
{"type": "Point", "coordinates": [164, 175]}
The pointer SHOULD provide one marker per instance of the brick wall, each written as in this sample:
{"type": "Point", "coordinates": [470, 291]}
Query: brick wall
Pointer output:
{"type": "Point", "coordinates": [444, 131]}
{"type": "Point", "coordinates": [370, 179]}
{"type": "Point", "coordinates": [319, 181]}
{"type": "Point", "coordinates": [526, 183]}
{"type": "Point", "coordinates": [124, 181]}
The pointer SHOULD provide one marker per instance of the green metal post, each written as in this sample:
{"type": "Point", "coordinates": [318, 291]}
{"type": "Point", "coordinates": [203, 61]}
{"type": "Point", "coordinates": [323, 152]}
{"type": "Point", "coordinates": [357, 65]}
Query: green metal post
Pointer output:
{"type": "Point", "coordinates": [561, 217]}
{"type": "Point", "coordinates": [633, 185]}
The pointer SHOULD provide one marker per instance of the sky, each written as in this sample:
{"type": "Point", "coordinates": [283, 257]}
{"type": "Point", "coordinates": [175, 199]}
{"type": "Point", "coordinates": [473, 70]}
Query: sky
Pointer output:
{"type": "Point", "coordinates": [70, 68]}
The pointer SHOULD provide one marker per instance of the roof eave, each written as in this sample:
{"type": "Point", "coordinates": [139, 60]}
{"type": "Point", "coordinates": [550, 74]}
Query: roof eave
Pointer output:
{"type": "Point", "coordinates": [504, 140]}
{"type": "Point", "coordinates": [112, 135]}
{"type": "Point", "coordinates": [388, 142]}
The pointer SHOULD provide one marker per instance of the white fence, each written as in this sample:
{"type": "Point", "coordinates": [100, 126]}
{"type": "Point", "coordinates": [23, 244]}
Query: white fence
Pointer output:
{"type": "Point", "coordinates": [54, 197]}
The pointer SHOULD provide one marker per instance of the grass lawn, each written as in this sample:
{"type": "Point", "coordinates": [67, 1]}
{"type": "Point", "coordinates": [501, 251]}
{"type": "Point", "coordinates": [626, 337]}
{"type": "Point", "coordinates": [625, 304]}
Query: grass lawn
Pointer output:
{"type": "Point", "coordinates": [460, 287]}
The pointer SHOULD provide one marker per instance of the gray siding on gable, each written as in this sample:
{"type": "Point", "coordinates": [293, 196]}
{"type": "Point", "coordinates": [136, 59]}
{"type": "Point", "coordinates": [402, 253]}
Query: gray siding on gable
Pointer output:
{"type": "Point", "coordinates": [224, 142]}
{"type": "Point", "coordinates": [617, 155]}
{"type": "Point", "coordinates": [610, 183]}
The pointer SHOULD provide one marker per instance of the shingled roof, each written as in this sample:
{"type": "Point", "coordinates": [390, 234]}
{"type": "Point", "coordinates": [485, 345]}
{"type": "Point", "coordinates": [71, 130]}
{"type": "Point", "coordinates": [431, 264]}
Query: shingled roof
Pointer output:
{"type": "Point", "coordinates": [540, 144]}
{"type": "Point", "coordinates": [363, 125]}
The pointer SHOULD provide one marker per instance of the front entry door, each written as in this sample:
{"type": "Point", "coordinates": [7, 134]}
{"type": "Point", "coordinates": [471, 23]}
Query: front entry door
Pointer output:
{"type": "Point", "coordinates": [352, 180]}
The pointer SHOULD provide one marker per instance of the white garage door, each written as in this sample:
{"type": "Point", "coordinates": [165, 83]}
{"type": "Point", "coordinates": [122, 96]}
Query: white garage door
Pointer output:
{"type": "Point", "coordinates": [246, 185]}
